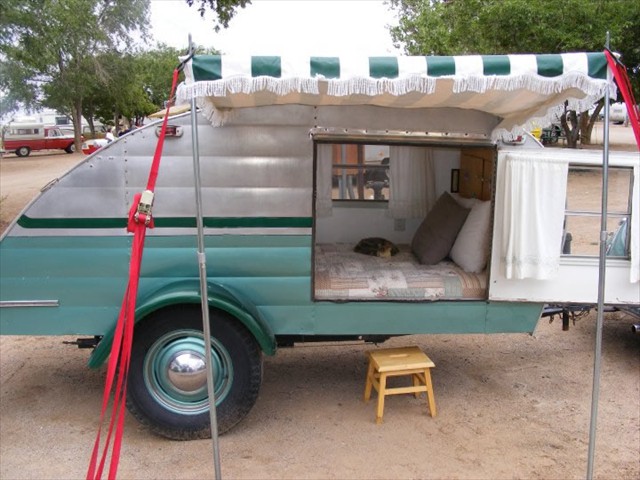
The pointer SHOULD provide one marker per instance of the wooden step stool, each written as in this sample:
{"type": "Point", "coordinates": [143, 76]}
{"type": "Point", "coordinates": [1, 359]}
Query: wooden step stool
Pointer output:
{"type": "Point", "coordinates": [393, 362]}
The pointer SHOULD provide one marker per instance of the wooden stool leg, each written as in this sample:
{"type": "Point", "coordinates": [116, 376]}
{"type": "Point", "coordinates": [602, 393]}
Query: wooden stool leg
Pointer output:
{"type": "Point", "coordinates": [369, 383]}
{"type": "Point", "coordinates": [416, 381]}
{"type": "Point", "coordinates": [430, 397]}
{"type": "Point", "coordinates": [381, 393]}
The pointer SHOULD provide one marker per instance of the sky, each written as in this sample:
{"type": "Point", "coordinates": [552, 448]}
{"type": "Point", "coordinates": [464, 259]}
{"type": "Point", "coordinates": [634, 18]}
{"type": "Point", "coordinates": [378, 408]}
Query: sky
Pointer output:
{"type": "Point", "coordinates": [275, 27]}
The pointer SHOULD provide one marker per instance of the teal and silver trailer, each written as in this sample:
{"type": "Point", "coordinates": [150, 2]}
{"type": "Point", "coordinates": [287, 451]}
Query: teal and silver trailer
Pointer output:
{"type": "Point", "coordinates": [300, 162]}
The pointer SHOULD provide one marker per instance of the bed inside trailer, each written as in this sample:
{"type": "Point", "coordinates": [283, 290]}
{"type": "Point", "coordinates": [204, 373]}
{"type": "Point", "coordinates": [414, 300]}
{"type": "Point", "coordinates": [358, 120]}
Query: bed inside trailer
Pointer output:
{"type": "Point", "coordinates": [402, 222]}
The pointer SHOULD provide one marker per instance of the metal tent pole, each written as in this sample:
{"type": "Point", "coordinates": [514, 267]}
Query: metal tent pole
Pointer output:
{"type": "Point", "coordinates": [204, 296]}
{"type": "Point", "coordinates": [601, 280]}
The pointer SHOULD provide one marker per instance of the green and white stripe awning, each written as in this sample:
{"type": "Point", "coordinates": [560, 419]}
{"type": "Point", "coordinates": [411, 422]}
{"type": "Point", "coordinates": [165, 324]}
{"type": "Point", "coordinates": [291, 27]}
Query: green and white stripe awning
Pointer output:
{"type": "Point", "coordinates": [515, 88]}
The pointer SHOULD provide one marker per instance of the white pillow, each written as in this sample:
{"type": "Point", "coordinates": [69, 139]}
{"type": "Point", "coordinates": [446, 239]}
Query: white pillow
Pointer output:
{"type": "Point", "coordinates": [464, 201]}
{"type": "Point", "coordinates": [471, 248]}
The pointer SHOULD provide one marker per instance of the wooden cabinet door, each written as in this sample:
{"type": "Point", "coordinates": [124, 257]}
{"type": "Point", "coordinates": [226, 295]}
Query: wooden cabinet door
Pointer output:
{"type": "Point", "coordinates": [476, 173]}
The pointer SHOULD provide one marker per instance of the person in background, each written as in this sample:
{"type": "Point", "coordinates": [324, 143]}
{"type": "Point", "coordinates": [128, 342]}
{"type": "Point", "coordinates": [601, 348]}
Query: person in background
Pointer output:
{"type": "Point", "coordinates": [109, 136]}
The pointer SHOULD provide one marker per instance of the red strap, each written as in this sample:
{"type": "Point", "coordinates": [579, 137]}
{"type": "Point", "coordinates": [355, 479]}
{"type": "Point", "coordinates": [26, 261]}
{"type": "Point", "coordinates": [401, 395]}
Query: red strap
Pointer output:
{"type": "Point", "coordinates": [120, 357]}
{"type": "Point", "coordinates": [622, 79]}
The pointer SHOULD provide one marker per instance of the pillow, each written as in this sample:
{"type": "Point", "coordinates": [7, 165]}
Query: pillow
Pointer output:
{"type": "Point", "coordinates": [471, 249]}
{"type": "Point", "coordinates": [464, 201]}
{"type": "Point", "coordinates": [438, 231]}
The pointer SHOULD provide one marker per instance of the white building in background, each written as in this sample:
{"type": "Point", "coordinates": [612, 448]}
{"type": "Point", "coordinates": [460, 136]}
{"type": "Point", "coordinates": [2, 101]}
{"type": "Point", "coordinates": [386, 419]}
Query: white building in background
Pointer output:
{"type": "Point", "coordinates": [50, 117]}
{"type": "Point", "coordinates": [46, 117]}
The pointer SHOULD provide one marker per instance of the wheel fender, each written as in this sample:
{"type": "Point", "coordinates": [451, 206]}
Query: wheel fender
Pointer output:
{"type": "Point", "coordinates": [188, 291]}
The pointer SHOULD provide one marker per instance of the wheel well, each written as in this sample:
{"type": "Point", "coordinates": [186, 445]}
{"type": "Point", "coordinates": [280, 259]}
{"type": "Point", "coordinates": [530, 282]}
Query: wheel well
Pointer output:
{"type": "Point", "coordinates": [252, 321]}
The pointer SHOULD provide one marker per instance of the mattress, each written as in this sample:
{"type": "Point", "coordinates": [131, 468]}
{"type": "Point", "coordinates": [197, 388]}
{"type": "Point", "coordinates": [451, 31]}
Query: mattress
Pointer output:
{"type": "Point", "coordinates": [342, 274]}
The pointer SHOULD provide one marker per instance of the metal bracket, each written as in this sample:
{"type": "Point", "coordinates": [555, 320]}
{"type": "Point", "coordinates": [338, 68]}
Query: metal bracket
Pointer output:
{"type": "Point", "coordinates": [144, 206]}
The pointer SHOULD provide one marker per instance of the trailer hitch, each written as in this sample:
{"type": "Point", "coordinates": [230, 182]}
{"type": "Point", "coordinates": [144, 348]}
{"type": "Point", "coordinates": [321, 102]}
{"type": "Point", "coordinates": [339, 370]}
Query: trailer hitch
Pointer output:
{"type": "Point", "coordinates": [567, 313]}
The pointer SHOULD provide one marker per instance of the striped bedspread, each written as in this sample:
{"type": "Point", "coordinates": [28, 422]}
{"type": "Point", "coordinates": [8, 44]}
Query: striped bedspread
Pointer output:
{"type": "Point", "coordinates": [342, 274]}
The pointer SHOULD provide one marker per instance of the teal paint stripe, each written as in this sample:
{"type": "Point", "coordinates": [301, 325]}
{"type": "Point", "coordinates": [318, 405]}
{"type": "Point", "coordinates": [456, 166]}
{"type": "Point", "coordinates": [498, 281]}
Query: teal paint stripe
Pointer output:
{"type": "Point", "coordinates": [597, 63]}
{"type": "Point", "coordinates": [77, 242]}
{"type": "Point", "coordinates": [496, 65]}
{"type": "Point", "coordinates": [266, 222]}
{"type": "Point", "coordinates": [440, 66]}
{"type": "Point", "coordinates": [266, 67]}
{"type": "Point", "coordinates": [402, 318]}
{"type": "Point", "coordinates": [328, 67]}
{"type": "Point", "coordinates": [510, 317]}
{"type": "Point", "coordinates": [383, 67]}
{"type": "Point", "coordinates": [550, 65]}
{"type": "Point", "coordinates": [207, 67]}
{"type": "Point", "coordinates": [89, 320]}
{"type": "Point", "coordinates": [168, 222]}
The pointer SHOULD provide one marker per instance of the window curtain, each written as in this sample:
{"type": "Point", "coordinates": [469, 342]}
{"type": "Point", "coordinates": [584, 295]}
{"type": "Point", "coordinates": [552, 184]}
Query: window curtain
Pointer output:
{"type": "Point", "coordinates": [411, 181]}
{"type": "Point", "coordinates": [323, 180]}
{"type": "Point", "coordinates": [635, 227]}
{"type": "Point", "coordinates": [534, 198]}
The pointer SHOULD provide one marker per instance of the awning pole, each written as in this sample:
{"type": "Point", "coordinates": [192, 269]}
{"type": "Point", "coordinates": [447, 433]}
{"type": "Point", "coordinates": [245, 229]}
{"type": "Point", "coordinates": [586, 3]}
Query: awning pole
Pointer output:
{"type": "Point", "coordinates": [601, 280]}
{"type": "Point", "coordinates": [204, 295]}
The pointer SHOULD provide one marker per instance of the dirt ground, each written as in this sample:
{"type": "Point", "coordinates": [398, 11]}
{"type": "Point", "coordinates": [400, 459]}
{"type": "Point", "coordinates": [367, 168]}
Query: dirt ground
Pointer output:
{"type": "Point", "coordinates": [509, 406]}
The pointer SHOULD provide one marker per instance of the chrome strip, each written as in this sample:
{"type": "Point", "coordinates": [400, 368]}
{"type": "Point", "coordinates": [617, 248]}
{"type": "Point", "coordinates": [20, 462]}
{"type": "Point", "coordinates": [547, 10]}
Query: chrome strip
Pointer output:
{"type": "Point", "coordinates": [327, 134]}
{"type": "Point", "coordinates": [29, 303]}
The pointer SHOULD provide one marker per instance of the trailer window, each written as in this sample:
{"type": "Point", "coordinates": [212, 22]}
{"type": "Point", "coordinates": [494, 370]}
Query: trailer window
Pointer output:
{"type": "Point", "coordinates": [583, 211]}
{"type": "Point", "coordinates": [360, 172]}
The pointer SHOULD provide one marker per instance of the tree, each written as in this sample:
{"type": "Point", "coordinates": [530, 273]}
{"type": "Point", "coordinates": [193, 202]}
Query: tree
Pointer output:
{"type": "Point", "coordinates": [50, 48]}
{"type": "Point", "coordinates": [224, 9]}
{"type": "Point", "coordinates": [133, 85]}
{"type": "Point", "coordinates": [458, 27]}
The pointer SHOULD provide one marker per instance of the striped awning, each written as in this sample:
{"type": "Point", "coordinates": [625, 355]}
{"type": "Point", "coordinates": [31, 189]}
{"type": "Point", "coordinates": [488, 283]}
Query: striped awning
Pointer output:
{"type": "Point", "coordinates": [514, 88]}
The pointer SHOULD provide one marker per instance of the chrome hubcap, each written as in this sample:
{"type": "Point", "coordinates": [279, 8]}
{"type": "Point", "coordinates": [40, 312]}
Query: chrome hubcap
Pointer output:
{"type": "Point", "coordinates": [175, 372]}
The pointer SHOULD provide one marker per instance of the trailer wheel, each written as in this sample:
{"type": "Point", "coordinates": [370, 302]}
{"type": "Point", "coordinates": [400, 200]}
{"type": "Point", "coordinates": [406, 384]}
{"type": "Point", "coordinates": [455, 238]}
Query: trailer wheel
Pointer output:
{"type": "Point", "coordinates": [71, 148]}
{"type": "Point", "coordinates": [167, 384]}
{"type": "Point", "coordinates": [23, 151]}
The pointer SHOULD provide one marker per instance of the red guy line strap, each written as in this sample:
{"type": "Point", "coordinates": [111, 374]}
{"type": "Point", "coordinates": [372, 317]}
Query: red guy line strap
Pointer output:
{"type": "Point", "coordinates": [622, 79]}
{"type": "Point", "coordinates": [120, 356]}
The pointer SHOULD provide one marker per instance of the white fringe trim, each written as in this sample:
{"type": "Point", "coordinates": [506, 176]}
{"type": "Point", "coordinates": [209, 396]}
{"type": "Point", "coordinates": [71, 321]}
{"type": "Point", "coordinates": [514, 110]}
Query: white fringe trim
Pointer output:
{"type": "Point", "coordinates": [593, 89]}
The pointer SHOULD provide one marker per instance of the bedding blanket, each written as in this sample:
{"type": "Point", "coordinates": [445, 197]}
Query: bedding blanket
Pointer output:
{"type": "Point", "coordinates": [342, 274]}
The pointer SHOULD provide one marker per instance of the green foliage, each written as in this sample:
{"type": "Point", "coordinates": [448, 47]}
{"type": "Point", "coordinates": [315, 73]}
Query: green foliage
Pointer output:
{"type": "Point", "coordinates": [224, 9]}
{"type": "Point", "coordinates": [50, 49]}
{"type": "Point", "coordinates": [80, 58]}
{"type": "Point", "coordinates": [459, 27]}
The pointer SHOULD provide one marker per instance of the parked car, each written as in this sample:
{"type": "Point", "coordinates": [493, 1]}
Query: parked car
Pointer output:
{"type": "Point", "coordinates": [618, 114]}
{"type": "Point", "coordinates": [23, 138]}
{"type": "Point", "coordinates": [92, 145]}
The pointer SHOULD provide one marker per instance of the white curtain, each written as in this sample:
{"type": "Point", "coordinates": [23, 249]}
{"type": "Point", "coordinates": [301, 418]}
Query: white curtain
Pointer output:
{"type": "Point", "coordinates": [323, 180]}
{"type": "Point", "coordinates": [411, 181]}
{"type": "Point", "coordinates": [534, 198]}
{"type": "Point", "coordinates": [635, 227]}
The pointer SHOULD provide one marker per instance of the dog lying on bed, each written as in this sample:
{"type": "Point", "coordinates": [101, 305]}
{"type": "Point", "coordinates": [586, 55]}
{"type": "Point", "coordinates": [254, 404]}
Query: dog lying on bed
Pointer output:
{"type": "Point", "coordinates": [376, 246]}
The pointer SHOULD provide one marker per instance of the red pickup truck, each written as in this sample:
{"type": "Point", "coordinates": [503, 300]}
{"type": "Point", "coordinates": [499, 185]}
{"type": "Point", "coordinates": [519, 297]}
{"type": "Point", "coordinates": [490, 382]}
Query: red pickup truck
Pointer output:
{"type": "Point", "coordinates": [23, 138]}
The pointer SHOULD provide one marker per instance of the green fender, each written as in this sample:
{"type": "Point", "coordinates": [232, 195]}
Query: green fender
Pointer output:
{"type": "Point", "coordinates": [188, 291]}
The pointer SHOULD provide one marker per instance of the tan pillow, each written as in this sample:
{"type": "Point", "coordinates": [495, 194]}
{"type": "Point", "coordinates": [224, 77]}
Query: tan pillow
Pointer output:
{"type": "Point", "coordinates": [438, 231]}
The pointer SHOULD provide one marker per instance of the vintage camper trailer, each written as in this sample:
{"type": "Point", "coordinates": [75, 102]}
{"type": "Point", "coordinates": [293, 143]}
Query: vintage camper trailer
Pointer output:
{"type": "Point", "coordinates": [413, 160]}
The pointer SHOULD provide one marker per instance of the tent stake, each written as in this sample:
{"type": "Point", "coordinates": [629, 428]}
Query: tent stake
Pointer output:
{"type": "Point", "coordinates": [204, 295]}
